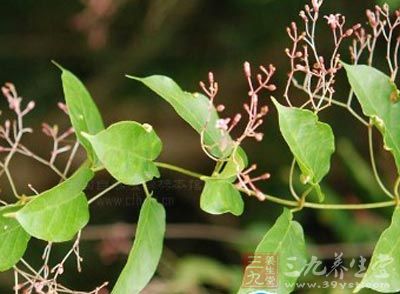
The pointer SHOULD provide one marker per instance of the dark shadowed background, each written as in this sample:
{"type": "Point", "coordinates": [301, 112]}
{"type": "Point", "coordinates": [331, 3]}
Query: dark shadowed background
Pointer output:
{"type": "Point", "coordinates": [101, 41]}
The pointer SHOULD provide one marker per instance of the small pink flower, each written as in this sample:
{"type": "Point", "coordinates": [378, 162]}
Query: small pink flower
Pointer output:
{"type": "Point", "coordinates": [222, 124]}
{"type": "Point", "coordinates": [333, 20]}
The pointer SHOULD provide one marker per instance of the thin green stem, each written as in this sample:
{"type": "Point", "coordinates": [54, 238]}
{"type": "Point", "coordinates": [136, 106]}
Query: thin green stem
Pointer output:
{"type": "Point", "coordinates": [396, 191]}
{"type": "Point", "coordinates": [286, 202]}
{"type": "Point", "coordinates": [302, 199]}
{"type": "Point", "coordinates": [108, 189]}
{"type": "Point", "coordinates": [372, 158]}
{"type": "Point", "coordinates": [291, 188]}
{"type": "Point", "coordinates": [146, 190]}
{"type": "Point", "coordinates": [218, 166]}
{"type": "Point", "coordinates": [179, 170]}
{"type": "Point", "coordinates": [98, 168]}
{"type": "Point", "coordinates": [360, 206]}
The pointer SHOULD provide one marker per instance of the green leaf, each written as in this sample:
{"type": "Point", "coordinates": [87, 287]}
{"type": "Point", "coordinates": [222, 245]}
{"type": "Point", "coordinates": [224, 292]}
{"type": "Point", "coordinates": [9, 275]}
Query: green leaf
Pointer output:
{"type": "Point", "coordinates": [56, 215]}
{"type": "Point", "coordinates": [220, 196]}
{"type": "Point", "coordinates": [285, 240]}
{"type": "Point", "coordinates": [310, 141]}
{"type": "Point", "coordinates": [195, 109]}
{"type": "Point", "coordinates": [146, 250]}
{"type": "Point", "coordinates": [236, 163]}
{"type": "Point", "coordinates": [127, 150]}
{"type": "Point", "coordinates": [378, 97]}
{"type": "Point", "coordinates": [13, 239]}
{"type": "Point", "coordinates": [83, 112]}
{"type": "Point", "coordinates": [383, 273]}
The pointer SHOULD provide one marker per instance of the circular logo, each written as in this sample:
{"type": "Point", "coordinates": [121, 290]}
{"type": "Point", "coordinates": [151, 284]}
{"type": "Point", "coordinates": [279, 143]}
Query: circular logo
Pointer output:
{"type": "Point", "coordinates": [261, 292]}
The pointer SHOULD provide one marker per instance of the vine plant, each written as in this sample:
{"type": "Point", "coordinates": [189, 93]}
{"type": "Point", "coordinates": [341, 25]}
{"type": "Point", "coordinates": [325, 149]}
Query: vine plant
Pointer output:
{"type": "Point", "coordinates": [128, 151]}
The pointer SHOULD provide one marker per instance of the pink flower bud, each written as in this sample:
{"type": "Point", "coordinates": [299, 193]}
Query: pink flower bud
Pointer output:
{"type": "Point", "coordinates": [302, 14]}
{"type": "Point", "coordinates": [315, 5]}
{"type": "Point", "coordinates": [259, 136]}
{"type": "Point", "coordinates": [264, 109]}
{"type": "Point", "coordinates": [220, 107]}
{"type": "Point", "coordinates": [222, 123]}
{"type": "Point", "coordinates": [259, 78]}
{"type": "Point", "coordinates": [211, 77]}
{"type": "Point", "coordinates": [265, 176]}
{"type": "Point", "coordinates": [5, 91]}
{"type": "Point", "coordinates": [299, 54]}
{"type": "Point", "coordinates": [237, 118]}
{"type": "Point", "coordinates": [247, 70]}
{"type": "Point", "coordinates": [63, 107]}
{"type": "Point", "coordinates": [349, 32]}
{"type": "Point", "coordinates": [371, 18]}
{"type": "Point", "coordinates": [215, 86]}
{"type": "Point", "coordinates": [385, 7]}
{"type": "Point", "coordinates": [30, 106]}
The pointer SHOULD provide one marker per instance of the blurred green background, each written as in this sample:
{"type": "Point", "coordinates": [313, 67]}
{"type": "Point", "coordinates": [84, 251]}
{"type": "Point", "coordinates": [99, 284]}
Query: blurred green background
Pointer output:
{"type": "Point", "coordinates": [100, 41]}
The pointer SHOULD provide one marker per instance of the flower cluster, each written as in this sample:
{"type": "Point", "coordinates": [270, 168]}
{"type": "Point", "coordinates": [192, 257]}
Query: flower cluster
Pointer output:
{"type": "Point", "coordinates": [255, 111]}
{"type": "Point", "coordinates": [311, 72]}
{"type": "Point", "coordinates": [316, 72]}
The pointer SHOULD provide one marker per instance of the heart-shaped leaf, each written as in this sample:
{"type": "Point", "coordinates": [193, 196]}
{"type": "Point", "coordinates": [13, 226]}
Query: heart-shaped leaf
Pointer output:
{"type": "Point", "coordinates": [310, 141]}
{"type": "Point", "coordinates": [383, 273]}
{"type": "Point", "coordinates": [13, 239]}
{"type": "Point", "coordinates": [83, 112]}
{"type": "Point", "coordinates": [127, 150]}
{"type": "Point", "coordinates": [195, 109]}
{"type": "Point", "coordinates": [146, 250]}
{"type": "Point", "coordinates": [220, 196]}
{"type": "Point", "coordinates": [285, 244]}
{"type": "Point", "coordinates": [378, 97]}
{"type": "Point", "coordinates": [56, 215]}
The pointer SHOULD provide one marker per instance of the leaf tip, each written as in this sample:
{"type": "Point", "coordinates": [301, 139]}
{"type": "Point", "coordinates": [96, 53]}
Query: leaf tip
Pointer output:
{"type": "Point", "coordinates": [273, 99]}
{"type": "Point", "coordinates": [276, 103]}
{"type": "Point", "coordinates": [346, 66]}
{"type": "Point", "coordinates": [133, 77]}
{"type": "Point", "coordinates": [57, 64]}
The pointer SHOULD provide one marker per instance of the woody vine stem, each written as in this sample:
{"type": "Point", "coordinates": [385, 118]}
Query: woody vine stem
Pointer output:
{"type": "Point", "coordinates": [289, 203]}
